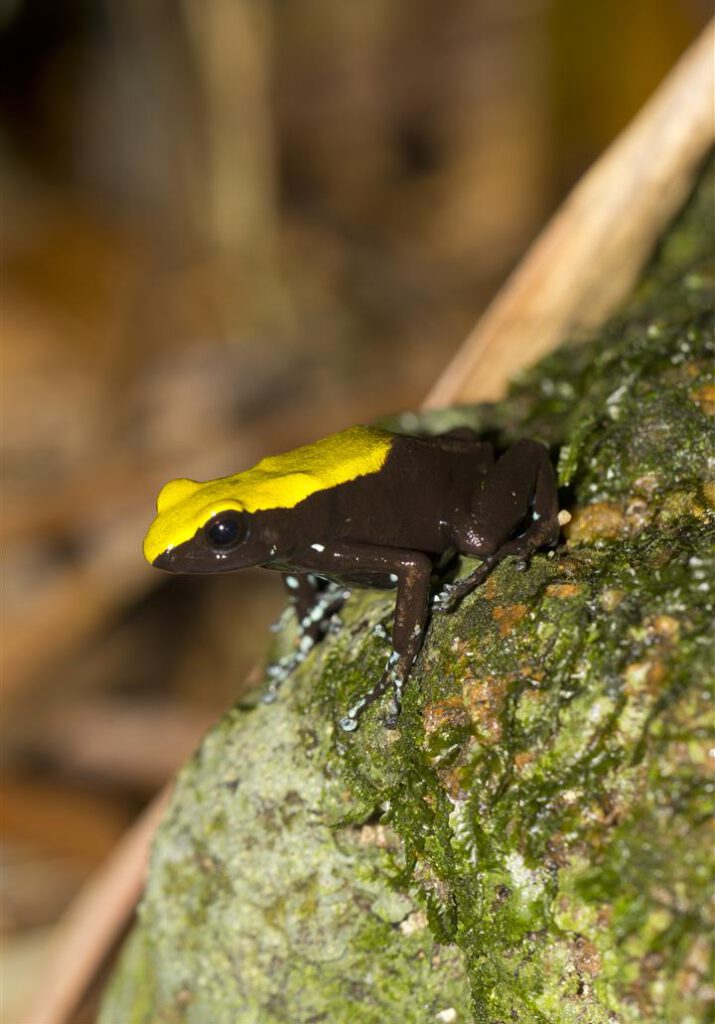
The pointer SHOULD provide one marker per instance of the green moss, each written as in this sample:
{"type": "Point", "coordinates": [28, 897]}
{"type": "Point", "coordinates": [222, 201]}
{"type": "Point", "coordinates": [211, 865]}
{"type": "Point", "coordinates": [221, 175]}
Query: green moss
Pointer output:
{"type": "Point", "coordinates": [531, 844]}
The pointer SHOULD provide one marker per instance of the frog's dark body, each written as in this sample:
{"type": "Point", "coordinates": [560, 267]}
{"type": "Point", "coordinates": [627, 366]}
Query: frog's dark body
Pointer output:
{"type": "Point", "coordinates": [432, 498]}
{"type": "Point", "coordinates": [411, 503]}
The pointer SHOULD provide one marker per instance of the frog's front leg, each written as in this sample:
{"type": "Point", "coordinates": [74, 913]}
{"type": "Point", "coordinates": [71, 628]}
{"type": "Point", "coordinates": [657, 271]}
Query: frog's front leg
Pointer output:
{"type": "Point", "coordinates": [413, 572]}
{"type": "Point", "coordinates": [514, 512]}
{"type": "Point", "coordinates": [316, 603]}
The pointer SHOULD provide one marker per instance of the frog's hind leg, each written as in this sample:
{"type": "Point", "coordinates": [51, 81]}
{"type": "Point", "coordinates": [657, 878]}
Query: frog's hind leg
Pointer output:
{"type": "Point", "coordinates": [317, 603]}
{"type": "Point", "coordinates": [515, 512]}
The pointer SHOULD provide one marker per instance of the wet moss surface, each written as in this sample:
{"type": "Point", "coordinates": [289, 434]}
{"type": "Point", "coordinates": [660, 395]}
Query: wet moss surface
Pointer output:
{"type": "Point", "coordinates": [532, 844]}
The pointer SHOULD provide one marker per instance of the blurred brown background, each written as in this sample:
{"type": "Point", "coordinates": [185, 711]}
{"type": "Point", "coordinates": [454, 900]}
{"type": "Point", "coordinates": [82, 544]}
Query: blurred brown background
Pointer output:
{"type": "Point", "coordinates": [230, 227]}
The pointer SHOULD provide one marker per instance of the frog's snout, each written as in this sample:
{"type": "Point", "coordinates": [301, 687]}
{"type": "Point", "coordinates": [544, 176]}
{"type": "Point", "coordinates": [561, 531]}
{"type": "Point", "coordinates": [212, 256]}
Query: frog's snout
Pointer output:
{"type": "Point", "coordinates": [164, 561]}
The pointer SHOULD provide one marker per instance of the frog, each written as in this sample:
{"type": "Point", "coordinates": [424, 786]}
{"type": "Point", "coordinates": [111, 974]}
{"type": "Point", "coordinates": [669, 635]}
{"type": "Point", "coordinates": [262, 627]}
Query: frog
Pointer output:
{"type": "Point", "coordinates": [365, 507]}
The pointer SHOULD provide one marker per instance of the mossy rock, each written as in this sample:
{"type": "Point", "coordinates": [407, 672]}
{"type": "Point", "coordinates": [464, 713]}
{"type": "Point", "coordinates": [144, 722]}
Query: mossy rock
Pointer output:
{"type": "Point", "coordinates": [532, 843]}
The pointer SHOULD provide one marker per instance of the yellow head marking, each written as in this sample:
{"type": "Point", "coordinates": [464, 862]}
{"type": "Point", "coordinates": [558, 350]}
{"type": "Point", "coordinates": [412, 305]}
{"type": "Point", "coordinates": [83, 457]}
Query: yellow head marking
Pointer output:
{"type": "Point", "coordinates": [174, 492]}
{"type": "Point", "coordinates": [280, 481]}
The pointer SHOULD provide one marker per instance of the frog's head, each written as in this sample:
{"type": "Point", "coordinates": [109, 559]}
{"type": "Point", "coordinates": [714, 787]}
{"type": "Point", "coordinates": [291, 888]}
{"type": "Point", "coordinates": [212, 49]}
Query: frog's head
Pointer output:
{"type": "Point", "coordinates": [201, 528]}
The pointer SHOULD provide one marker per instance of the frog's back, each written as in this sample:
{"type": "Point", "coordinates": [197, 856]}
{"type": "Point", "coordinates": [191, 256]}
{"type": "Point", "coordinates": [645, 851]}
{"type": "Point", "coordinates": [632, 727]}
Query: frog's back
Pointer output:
{"type": "Point", "coordinates": [332, 460]}
{"type": "Point", "coordinates": [282, 481]}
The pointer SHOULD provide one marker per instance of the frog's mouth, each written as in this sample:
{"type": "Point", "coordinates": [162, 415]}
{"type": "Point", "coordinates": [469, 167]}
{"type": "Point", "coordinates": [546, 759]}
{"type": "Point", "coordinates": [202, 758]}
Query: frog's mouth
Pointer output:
{"type": "Point", "coordinates": [191, 558]}
{"type": "Point", "coordinates": [164, 561]}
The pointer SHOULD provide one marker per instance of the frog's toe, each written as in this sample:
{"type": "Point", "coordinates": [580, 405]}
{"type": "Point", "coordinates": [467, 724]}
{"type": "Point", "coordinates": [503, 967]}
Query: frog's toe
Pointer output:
{"type": "Point", "coordinates": [523, 560]}
{"type": "Point", "coordinates": [394, 678]}
{"type": "Point", "coordinates": [444, 600]}
{"type": "Point", "coordinates": [451, 596]}
{"type": "Point", "coordinates": [335, 624]}
{"type": "Point", "coordinates": [392, 719]}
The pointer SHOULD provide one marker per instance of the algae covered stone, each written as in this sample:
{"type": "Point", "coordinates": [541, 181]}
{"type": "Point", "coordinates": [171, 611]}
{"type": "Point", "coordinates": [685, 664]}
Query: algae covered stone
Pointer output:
{"type": "Point", "coordinates": [534, 842]}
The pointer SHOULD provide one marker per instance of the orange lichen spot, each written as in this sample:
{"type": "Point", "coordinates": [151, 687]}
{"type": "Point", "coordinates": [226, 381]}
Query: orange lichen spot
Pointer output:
{"type": "Point", "coordinates": [663, 628]}
{"type": "Point", "coordinates": [705, 398]}
{"type": "Point", "coordinates": [523, 759]}
{"type": "Point", "coordinates": [601, 521]}
{"type": "Point", "coordinates": [644, 677]}
{"type": "Point", "coordinates": [605, 520]}
{"type": "Point", "coordinates": [563, 590]}
{"type": "Point", "coordinates": [586, 957]}
{"type": "Point", "coordinates": [447, 713]}
{"type": "Point", "coordinates": [485, 700]}
{"type": "Point", "coordinates": [508, 616]}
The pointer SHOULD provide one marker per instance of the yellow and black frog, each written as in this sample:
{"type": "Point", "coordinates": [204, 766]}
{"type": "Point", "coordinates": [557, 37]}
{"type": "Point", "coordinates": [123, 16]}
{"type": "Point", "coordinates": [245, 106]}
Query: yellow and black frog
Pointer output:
{"type": "Point", "coordinates": [364, 508]}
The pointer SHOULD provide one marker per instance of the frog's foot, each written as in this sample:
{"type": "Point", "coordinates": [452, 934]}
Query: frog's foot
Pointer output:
{"type": "Point", "coordinates": [322, 618]}
{"type": "Point", "coordinates": [523, 558]}
{"type": "Point", "coordinates": [278, 671]}
{"type": "Point", "coordinates": [447, 599]}
{"type": "Point", "coordinates": [451, 594]}
{"type": "Point", "coordinates": [394, 678]}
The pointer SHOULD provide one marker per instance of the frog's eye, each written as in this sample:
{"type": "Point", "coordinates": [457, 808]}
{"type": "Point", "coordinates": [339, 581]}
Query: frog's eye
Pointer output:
{"type": "Point", "coordinates": [224, 531]}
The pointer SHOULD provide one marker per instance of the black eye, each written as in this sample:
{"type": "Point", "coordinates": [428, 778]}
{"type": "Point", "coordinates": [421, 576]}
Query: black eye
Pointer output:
{"type": "Point", "coordinates": [224, 531]}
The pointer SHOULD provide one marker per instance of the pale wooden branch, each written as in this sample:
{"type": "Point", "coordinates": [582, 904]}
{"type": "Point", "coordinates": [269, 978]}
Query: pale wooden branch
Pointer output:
{"type": "Point", "coordinates": [588, 257]}
{"type": "Point", "coordinates": [94, 920]}
{"type": "Point", "coordinates": [231, 51]}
